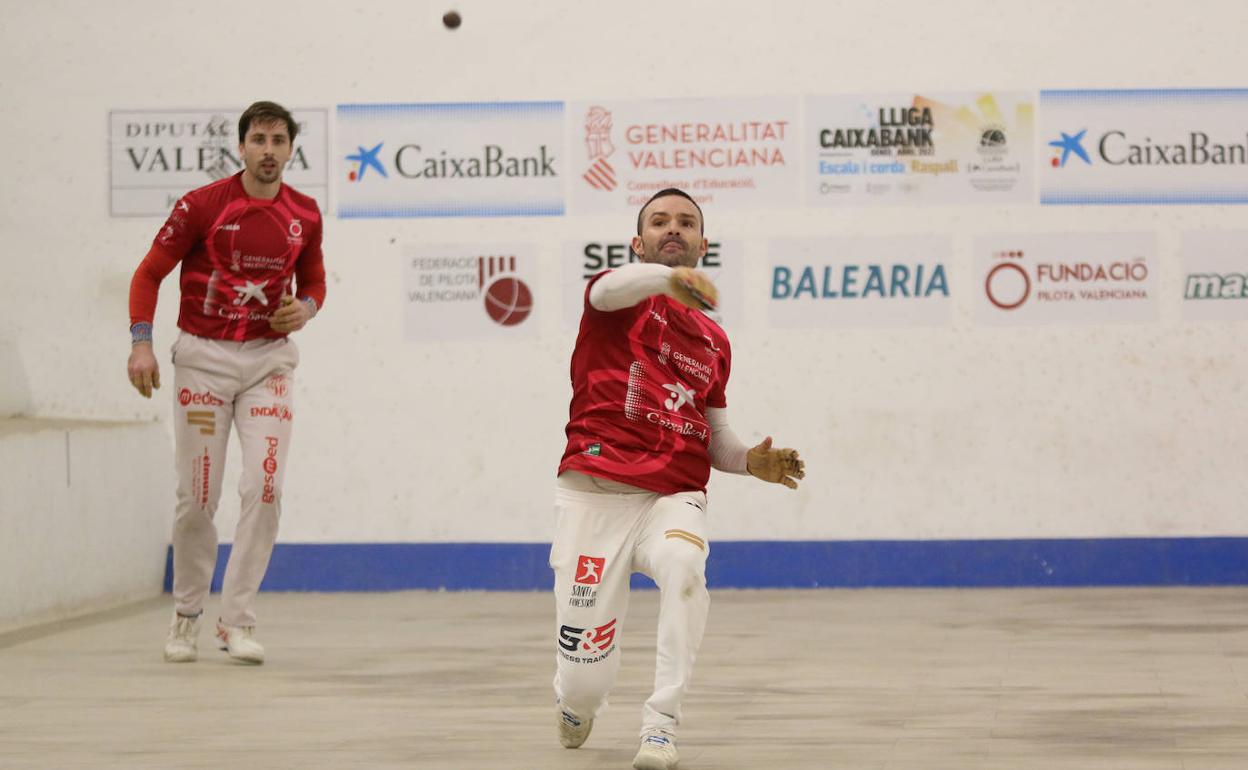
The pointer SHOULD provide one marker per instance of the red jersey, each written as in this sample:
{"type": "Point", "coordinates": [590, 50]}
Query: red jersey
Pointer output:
{"type": "Point", "coordinates": [642, 379]}
{"type": "Point", "coordinates": [239, 256]}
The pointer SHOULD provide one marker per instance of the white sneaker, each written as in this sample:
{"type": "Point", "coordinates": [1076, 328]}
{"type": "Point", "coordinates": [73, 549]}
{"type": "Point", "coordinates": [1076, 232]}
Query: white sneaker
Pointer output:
{"type": "Point", "coordinates": [572, 729]}
{"type": "Point", "coordinates": [657, 752]}
{"type": "Point", "coordinates": [182, 644]}
{"type": "Point", "coordinates": [238, 642]}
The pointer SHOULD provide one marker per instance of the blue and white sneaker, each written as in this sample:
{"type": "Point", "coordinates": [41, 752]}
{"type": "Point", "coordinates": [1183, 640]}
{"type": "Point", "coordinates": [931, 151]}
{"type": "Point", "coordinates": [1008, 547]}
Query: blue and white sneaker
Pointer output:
{"type": "Point", "coordinates": [657, 752]}
{"type": "Point", "coordinates": [572, 729]}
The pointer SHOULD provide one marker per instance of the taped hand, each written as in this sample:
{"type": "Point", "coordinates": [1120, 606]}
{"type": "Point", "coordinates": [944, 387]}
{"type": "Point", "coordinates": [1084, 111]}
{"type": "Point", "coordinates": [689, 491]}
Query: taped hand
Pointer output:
{"type": "Point", "coordinates": [779, 466]}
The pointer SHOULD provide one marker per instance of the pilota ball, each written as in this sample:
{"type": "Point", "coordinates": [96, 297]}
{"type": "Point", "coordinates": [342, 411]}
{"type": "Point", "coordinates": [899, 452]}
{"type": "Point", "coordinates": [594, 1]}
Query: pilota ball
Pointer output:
{"type": "Point", "coordinates": [452, 19]}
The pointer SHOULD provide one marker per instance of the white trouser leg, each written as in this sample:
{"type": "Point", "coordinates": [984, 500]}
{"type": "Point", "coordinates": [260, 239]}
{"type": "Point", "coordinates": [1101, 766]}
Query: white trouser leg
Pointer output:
{"type": "Point", "coordinates": [672, 550]}
{"type": "Point", "coordinates": [263, 416]}
{"type": "Point", "coordinates": [592, 558]}
{"type": "Point", "coordinates": [203, 396]}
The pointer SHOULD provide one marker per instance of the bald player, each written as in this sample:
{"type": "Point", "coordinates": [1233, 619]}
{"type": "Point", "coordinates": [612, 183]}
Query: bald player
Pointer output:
{"type": "Point", "coordinates": [648, 421]}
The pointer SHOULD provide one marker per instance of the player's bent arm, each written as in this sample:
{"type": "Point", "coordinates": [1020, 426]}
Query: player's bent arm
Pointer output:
{"type": "Point", "coordinates": [628, 285]}
{"type": "Point", "coordinates": [728, 453]}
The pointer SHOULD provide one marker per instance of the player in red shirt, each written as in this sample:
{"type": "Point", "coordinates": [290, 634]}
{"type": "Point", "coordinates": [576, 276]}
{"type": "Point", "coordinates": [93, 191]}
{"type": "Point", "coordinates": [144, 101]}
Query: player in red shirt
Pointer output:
{"type": "Point", "coordinates": [242, 241]}
{"type": "Point", "coordinates": [647, 423]}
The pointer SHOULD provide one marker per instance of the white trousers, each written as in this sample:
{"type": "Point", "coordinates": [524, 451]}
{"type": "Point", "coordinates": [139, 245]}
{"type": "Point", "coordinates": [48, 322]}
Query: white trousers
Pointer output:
{"type": "Point", "coordinates": [604, 532]}
{"type": "Point", "coordinates": [217, 383]}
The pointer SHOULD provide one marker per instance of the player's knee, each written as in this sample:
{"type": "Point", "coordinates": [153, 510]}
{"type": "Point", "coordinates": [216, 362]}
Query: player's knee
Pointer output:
{"type": "Point", "coordinates": [682, 564]}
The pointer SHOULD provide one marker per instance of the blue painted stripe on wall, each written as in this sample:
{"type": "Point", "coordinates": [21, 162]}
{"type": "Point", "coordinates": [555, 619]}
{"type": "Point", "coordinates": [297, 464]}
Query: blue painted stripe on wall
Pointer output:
{"type": "Point", "coordinates": [772, 564]}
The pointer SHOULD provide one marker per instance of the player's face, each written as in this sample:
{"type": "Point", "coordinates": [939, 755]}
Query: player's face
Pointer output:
{"type": "Point", "coordinates": [266, 150]}
{"type": "Point", "coordinates": [671, 233]}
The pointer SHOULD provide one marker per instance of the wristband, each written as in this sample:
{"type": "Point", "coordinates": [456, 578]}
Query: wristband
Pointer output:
{"type": "Point", "coordinates": [140, 332]}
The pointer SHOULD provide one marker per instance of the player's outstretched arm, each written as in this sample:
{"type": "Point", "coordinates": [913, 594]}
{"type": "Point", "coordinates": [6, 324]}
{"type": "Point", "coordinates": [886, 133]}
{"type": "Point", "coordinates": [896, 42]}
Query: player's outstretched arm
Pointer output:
{"type": "Point", "coordinates": [779, 466]}
{"type": "Point", "coordinates": [630, 284]}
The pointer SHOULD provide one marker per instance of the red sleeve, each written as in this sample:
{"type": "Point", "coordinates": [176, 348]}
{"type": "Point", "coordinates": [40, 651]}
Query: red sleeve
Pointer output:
{"type": "Point", "coordinates": [145, 286]}
{"type": "Point", "coordinates": [175, 239]}
{"type": "Point", "coordinates": [310, 271]}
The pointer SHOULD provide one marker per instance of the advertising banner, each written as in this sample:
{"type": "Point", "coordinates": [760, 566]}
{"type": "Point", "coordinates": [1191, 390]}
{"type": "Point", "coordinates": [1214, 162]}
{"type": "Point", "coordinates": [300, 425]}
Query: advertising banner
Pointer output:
{"type": "Point", "coordinates": [458, 291]}
{"type": "Point", "coordinates": [1144, 146]}
{"type": "Point", "coordinates": [1215, 275]}
{"type": "Point", "coordinates": [726, 153]}
{"type": "Point", "coordinates": [939, 148]}
{"type": "Point", "coordinates": [450, 160]}
{"type": "Point", "coordinates": [1066, 278]}
{"type": "Point", "coordinates": [156, 156]}
{"type": "Point", "coordinates": [859, 282]}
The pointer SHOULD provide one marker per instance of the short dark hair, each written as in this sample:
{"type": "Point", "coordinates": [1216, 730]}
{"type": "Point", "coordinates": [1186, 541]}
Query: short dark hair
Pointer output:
{"type": "Point", "coordinates": [672, 191]}
{"type": "Point", "coordinates": [266, 112]}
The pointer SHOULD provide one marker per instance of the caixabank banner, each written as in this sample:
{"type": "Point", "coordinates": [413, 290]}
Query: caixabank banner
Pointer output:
{"type": "Point", "coordinates": [157, 156]}
{"type": "Point", "coordinates": [932, 148]}
{"type": "Point", "coordinates": [1161, 146]}
{"type": "Point", "coordinates": [450, 160]}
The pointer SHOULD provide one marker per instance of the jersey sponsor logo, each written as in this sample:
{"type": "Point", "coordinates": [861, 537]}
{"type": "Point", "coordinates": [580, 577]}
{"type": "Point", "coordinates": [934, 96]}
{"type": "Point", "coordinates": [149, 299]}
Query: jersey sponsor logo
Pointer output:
{"type": "Point", "coordinates": [201, 470]}
{"type": "Point", "coordinates": [589, 569]}
{"type": "Point", "coordinates": [593, 450]}
{"type": "Point", "coordinates": [680, 395]}
{"type": "Point", "coordinates": [295, 230]}
{"type": "Point", "coordinates": [683, 427]}
{"type": "Point", "coordinates": [251, 291]}
{"type": "Point", "coordinates": [276, 411]}
{"type": "Point", "coordinates": [587, 645]}
{"type": "Point", "coordinates": [206, 421]}
{"type": "Point", "coordinates": [232, 227]}
{"type": "Point", "coordinates": [186, 397]}
{"type": "Point", "coordinates": [269, 492]}
{"type": "Point", "coordinates": [277, 385]}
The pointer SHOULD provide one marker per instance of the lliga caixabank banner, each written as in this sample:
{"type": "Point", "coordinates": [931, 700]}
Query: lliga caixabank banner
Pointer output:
{"type": "Point", "coordinates": [885, 281]}
{"type": "Point", "coordinates": [1066, 278]}
{"type": "Point", "coordinates": [450, 160]}
{"type": "Point", "coordinates": [462, 291]}
{"type": "Point", "coordinates": [726, 153]}
{"type": "Point", "coordinates": [157, 156]}
{"type": "Point", "coordinates": [1181, 146]}
{"type": "Point", "coordinates": [724, 264]}
{"type": "Point", "coordinates": [938, 148]}
{"type": "Point", "coordinates": [1215, 275]}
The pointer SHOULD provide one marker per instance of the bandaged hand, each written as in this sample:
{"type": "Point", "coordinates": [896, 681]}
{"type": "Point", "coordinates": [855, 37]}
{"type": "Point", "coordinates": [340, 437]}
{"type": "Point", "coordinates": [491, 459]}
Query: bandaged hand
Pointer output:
{"type": "Point", "coordinates": [691, 287]}
{"type": "Point", "coordinates": [779, 466]}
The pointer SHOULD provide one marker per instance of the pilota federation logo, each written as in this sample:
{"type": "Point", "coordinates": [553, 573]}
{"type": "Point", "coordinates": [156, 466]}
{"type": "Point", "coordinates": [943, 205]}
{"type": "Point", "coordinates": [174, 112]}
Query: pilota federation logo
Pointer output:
{"type": "Point", "coordinates": [366, 159]}
{"type": "Point", "coordinates": [1069, 143]}
{"type": "Point", "coordinates": [508, 300]}
{"type": "Point", "coordinates": [600, 175]}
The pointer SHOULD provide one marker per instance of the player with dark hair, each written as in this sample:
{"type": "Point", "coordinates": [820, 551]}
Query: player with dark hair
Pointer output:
{"type": "Point", "coordinates": [647, 422]}
{"type": "Point", "coordinates": [242, 242]}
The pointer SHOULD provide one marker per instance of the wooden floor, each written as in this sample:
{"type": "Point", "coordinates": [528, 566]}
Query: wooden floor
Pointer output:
{"type": "Point", "coordinates": [863, 680]}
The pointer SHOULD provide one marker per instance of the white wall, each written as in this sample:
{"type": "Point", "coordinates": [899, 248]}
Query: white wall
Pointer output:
{"type": "Point", "coordinates": [961, 432]}
{"type": "Point", "coordinates": [85, 512]}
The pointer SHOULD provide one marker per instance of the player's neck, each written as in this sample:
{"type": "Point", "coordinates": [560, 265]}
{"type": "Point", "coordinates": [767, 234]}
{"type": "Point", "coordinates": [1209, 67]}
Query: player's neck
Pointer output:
{"type": "Point", "coordinates": [257, 189]}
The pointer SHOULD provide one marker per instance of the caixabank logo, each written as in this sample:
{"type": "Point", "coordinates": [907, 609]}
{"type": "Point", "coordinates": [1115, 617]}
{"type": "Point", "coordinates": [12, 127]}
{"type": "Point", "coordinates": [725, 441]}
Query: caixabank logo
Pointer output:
{"type": "Point", "coordinates": [461, 159]}
{"type": "Point", "coordinates": [1145, 146]}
